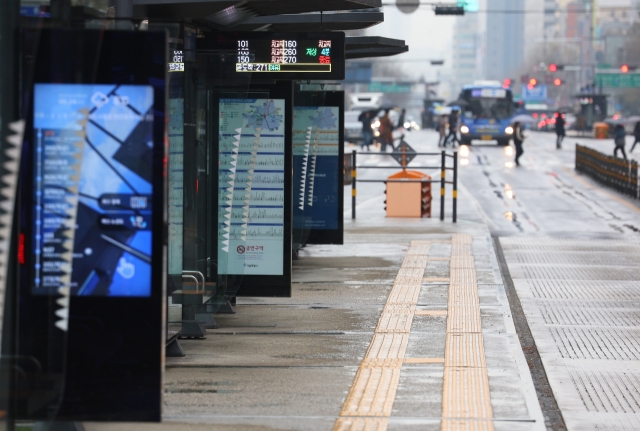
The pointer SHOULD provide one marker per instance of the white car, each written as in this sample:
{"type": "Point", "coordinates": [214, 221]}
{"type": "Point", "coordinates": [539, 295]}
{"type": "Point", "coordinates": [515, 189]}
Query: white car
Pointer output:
{"type": "Point", "coordinates": [352, 127]}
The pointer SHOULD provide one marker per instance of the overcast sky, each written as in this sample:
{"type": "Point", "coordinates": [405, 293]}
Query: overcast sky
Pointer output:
{"type": "Point", "coordinates": [428, 37]}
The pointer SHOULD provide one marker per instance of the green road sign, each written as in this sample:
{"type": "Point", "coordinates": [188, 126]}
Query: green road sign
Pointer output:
{"type": "Point", "coordinates": [618, 80]}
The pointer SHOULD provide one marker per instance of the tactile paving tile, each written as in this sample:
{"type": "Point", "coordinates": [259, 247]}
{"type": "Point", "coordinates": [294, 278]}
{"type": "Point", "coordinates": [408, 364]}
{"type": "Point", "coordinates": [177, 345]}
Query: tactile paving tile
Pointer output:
{"type": "Point", "coordinates": [469, 349]}
{"type": "Point", "coordinates": [588, 289]}
{"type": "Point", "coordinates": [588, 294]}
{"type": "Point", "coordinates": [579, 258]}
{"type": "Point", "coordinates": [574, 272]}
{"type": "Point", "coordinates": [607, 391]}
{"type": "Point", "coordinates": [374, 388]}
{"type": "Point", "coordinates": [561, 314]}
{"type": "Point", "coordinates": [361, 424]}
{"type": "Point", "coordinates": [524, 244]}
{"type": "Point", "coordinates": [391, 346]}
{"type": "Point", "coordinates": [597, 343]}
{"type": "Point", "coordinates": [466, 399]}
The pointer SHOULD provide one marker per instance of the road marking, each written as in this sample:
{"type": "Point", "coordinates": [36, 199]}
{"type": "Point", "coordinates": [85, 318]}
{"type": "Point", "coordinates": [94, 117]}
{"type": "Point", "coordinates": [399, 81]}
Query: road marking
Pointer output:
{"type": "Point", "coordinates": [466, 400]}
{"type": "Point", "coordinates": [374, 387]}
{"type": "Point", "coordinates": [431, 312]}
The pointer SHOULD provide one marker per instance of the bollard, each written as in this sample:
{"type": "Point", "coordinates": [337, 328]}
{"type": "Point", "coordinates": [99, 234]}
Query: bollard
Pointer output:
{"type": "Point", "coordinates": [353, 184]}
{"type": "Point", "coordinates": [455, 186]}
{"type": "Point", "coordinates": [442, 179]}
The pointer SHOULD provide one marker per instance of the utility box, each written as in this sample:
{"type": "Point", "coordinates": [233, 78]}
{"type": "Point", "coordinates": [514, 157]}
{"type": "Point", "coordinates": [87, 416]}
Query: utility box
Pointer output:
{"type": "Point", "coordinates": [410, 199]}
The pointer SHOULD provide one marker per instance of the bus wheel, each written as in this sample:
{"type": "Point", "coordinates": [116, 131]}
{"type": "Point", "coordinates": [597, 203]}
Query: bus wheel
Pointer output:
{"type": "Point", "coordinates": [465, 142]}
{"type": "Point", "coordinates": [503, 142]}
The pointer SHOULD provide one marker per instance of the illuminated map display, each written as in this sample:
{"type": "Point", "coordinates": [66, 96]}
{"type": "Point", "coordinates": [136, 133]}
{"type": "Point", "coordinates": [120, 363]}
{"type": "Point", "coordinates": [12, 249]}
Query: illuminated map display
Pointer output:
{"type": "Point", "coordinates": [93, 188]}
{"type": "Point", "coordinates": [251, 183]}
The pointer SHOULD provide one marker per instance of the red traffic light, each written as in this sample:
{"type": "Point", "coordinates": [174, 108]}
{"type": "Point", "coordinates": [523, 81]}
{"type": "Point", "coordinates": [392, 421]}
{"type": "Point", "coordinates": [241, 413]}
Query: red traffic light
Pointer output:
{"type": "Point", "coordinates": [533, 82]}
{"type": "Point", "coordinates": [553, 67]}
{"type": "Point", "coordinates": [557, 82]}
{"type": "Point", "coordinates": [624, 68]}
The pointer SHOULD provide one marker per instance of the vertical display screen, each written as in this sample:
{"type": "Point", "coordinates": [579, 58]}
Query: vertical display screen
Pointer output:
{"type": "Point", "coordinates": [93, 189]}
{"type": "Point", "coordinates": [316, 148]}
{"type": "Point", "coordinates": [251, 182]}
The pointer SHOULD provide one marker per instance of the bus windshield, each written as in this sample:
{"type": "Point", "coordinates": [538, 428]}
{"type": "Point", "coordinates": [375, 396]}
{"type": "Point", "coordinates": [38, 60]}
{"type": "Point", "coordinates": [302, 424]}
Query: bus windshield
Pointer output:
{"type": "Point", "coordinates": [494, 104]}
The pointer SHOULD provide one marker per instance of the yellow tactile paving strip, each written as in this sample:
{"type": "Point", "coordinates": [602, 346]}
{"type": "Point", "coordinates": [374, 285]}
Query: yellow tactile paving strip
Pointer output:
{"type": "Point", "coordinates": [466, 401]}
{"type": "Point", "coordinates": [374, 388]}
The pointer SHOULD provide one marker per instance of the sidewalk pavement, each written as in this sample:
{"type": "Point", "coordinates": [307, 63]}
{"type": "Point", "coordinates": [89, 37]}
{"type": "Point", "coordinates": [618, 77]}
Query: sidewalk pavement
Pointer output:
{"type": "Point", "coordinates": [377, 330]}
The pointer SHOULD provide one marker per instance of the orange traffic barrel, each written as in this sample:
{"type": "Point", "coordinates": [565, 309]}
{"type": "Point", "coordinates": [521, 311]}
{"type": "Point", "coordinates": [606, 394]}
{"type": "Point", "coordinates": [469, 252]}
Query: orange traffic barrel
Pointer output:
{"type": "Point", "coordinates": [602, 130]}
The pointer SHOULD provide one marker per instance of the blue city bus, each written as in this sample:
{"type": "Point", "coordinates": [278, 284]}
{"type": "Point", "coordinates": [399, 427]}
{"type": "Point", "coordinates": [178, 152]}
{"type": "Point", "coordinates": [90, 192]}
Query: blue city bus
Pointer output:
{"type": "Point", "coordinates": [487, 109]}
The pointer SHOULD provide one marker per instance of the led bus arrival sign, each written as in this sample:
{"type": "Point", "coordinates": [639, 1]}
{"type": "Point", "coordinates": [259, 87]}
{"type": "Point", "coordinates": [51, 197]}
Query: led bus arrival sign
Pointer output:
{"type": "Point", "coordinates": [284, 56]}
{"type": "Point", "coordinates": [279, 55]}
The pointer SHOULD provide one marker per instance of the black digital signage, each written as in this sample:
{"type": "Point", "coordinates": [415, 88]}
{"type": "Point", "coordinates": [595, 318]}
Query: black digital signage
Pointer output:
{"type": "Point", "coordinates": [92, 204]}
{"type": "Point", "coordinates": [253, 227]}
{"type": "Point", "coordinates": [279, 55]}
{"type": "Point", "coordinates": [318, 141]}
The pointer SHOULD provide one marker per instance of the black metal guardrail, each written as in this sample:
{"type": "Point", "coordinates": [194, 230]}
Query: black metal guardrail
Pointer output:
{"type": "Point", "coordinates": [619, 174]}
{"type": "Point", "coordinates": [442, 167]}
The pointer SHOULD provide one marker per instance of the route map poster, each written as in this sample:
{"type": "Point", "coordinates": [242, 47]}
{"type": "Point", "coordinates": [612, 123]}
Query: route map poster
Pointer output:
{"type": "Point", "coordinates": [92, 189]}
{"type": "Point", "coordinates": [251, 187]}
{"type": "Point", "coordinates": [316, 166]}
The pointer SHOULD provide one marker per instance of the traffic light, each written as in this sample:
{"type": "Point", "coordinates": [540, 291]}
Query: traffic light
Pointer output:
{"type": "Point", "coordinates": [533, 82]}
{"type": "Point", "coordinates": [553, 67]}
{"type": "Point", "coordinates": [557, 82]}
{"type": "Point", "coordinates": [624, 68]}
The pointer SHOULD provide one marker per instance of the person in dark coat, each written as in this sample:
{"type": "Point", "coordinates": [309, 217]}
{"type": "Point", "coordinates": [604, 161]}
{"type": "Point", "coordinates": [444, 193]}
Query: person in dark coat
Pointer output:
{"type": "Point", "coordinates": [619, 137]}
{"type": "Point", "coordinates": [559, 130]}
{"type": "Point", "coordinates": [453, 129]}
{"type": "Point", "coordinates": [400, 125]}
{"type": "Point", "coordinates": [518, 139]}
{"type": "Point", "coordinates": [636, 135]}
{"type": "Point", "coordinates": [365, 118]}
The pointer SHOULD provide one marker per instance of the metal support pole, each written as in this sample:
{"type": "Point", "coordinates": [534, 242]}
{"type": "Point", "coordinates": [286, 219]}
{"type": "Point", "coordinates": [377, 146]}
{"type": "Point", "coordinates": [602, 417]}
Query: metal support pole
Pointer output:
{"type": "Point", "coordinates": [353, 184]}
{"type": "Point", "coordinates": [455, 186]}
{"type": "Point", "coordinates": [442, 179]}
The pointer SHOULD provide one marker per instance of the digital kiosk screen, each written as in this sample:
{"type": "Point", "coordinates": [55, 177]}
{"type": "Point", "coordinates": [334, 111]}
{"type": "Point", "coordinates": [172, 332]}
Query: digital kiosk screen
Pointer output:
{"type": "Point", "coordinates": [92, 189]}
{"type": "Point", "coordinates": [316, 149]}
{"type": "Point", "coordinates": [251, 195]}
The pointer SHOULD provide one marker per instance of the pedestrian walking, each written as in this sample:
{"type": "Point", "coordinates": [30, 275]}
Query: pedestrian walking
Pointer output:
{"type": "Point", "coordinates": [453, 129]}
{"type": "Point", "coordinates": [619, 136]}
{"type": "Point", "coordinates": [400, 126]}
{"type": "Point", "coordinates": [386, 132]}
{"type": "Point", "coordinates": [518, 139]}
{"type": "Point", "coordinates": [442, 129]}
{"type": "Point", "coordinates": [636, 136]}
{"type": "Point", "coordinates": [365, 118]}
{"type": "Point", "coordinates": [560, 132]}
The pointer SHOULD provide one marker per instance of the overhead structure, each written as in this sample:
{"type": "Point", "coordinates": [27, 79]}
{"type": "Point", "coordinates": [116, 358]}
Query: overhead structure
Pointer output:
{"type": "Point", "coordinates": [227, 13]}
{"type": "Point", "coordinates": [338, 21]}
{"type": "Point", "coordinates": [373, 46]}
